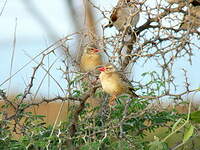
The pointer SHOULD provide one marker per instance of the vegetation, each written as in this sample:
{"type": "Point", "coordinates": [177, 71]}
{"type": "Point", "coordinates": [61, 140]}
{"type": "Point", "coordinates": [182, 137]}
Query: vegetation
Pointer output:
{"type": "Point", "coordinates": [129, 123]}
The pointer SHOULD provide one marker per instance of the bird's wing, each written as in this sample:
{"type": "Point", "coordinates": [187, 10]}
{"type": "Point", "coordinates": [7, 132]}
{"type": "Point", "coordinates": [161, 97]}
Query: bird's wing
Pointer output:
{"type": "Point", "coordinates": [118, 9]}
{"type": "Point", "coordinates": [113, 17]}
{"type": "Point", "coordinates": [124, 79]}
{"type": "Point", "coordinates": [114, 14]}
{"type": "Point", "coordinates": [128, 83]}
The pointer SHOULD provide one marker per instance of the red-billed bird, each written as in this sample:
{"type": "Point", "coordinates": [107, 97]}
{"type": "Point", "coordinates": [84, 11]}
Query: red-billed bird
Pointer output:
{"type": "Point", "coordinates": [114, 83]}
{"type": "Point", "coordinates": [90, 59]}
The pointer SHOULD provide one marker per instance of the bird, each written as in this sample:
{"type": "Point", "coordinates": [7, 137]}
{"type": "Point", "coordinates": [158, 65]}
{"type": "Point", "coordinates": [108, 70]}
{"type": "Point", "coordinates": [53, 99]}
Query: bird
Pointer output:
{"type": "Point", "coordinates": [114, 83]}
{"type": "Point", "coordinates": [90, 59]}
{"type": "Point", "coordinates": [192, 19]}
{"type": "Point", "coordinates": [124, 13]}
{"type": "Point", "coordinates": [193, 2]}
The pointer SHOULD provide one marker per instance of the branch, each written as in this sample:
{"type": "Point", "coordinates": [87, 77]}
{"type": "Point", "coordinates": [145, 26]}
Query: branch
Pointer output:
{"type": "Point", "coordinates": [73, 127]}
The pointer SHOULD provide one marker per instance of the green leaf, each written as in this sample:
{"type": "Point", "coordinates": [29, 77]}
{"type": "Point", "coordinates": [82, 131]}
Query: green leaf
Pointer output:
{"type": "Point", "coordinates": [39, 116]}
{"type": "Point", "coordinates": [91, 146]}
{"type": "Point", "coordinates": [195, 116]}
{"type": "Point", "coordinates": [176, 124]}
{"type": "Point", "coordinates": [158, 145]}
{"type": "Point", "coordinates": [188, 133]}
{"type": "Point", "coordinates": [22, 106]}
{"type": "Point", "coordinates": [144, 74]}
{"type": "Point", "coordinates": [19, 95]}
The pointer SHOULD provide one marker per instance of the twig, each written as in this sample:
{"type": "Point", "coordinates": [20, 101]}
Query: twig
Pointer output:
{"type": "Point", "coordinates": [4, 5]}
{"type": "Point", "coordinates": [12, 56]}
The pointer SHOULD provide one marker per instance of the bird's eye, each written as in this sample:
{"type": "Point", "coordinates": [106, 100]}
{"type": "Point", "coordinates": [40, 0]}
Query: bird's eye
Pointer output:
{"type": "Point", "coordinates": [92, 50]}
{"type": "Point", "coordinates": [108, 68]}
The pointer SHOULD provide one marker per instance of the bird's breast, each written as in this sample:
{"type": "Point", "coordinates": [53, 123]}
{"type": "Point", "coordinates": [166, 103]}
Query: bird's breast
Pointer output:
{"type": "Point", "coordinates": [89, 63]}
{"type": "Point", "coordinates": [111, 85]}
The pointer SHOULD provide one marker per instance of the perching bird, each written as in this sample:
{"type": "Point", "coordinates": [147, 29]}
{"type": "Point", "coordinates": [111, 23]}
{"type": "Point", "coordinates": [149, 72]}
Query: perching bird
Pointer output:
{"type": "Point", "coordinates": [114, 83]}
{"type": "Point", "coordinates": [192, 19]}
{"type": "Point", "coordinates": [126, 12]}
{"type": "Point", "coordinates": [193, 2]}
{"type": "Point", "coordinates": [90, 59]}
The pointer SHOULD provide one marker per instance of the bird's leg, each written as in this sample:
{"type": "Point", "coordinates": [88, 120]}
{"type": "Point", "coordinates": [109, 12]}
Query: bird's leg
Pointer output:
{"type": "Point", "coordinates": [112, 100]}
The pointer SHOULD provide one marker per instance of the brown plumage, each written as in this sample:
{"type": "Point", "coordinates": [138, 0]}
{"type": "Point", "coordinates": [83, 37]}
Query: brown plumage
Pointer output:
{"type": "Point", "coordinates": [114, 83]}
{"type": "Point", "coordinates": [193, 2]}
{"type": "Point", "coordinates": [124, 13]}
{"type": "Point", "coordinates": [191, 20]}
{"type": "Point", "coordinates": [90, 59]}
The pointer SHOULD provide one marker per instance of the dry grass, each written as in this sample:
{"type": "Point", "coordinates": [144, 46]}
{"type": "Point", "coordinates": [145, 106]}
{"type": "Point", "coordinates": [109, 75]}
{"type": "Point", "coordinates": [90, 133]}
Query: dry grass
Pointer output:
{"type": "Point", "coordinates": [50, 110]}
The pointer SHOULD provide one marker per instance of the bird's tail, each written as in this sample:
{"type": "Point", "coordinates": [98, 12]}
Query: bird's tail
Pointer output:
{"type": "Point", "coordinates": [133, 93]}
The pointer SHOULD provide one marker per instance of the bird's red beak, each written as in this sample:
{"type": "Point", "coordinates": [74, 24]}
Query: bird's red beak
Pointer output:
{"type": "Point", "coordinates": [102, 69]}
{"type": "Point", "coordinates": [96, 50]}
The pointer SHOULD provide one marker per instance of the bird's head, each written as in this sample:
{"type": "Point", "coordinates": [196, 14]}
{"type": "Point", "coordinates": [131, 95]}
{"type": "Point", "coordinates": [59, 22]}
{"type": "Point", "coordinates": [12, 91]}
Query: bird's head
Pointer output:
{"type": "Point", "coordinates": [130, 2]}
{"type": "Point", "coordinates": [109, 68]}
{"type": "Point", "coordinates": [127, 1]}
{"type": "Point", "coordinates": [91, 50]}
